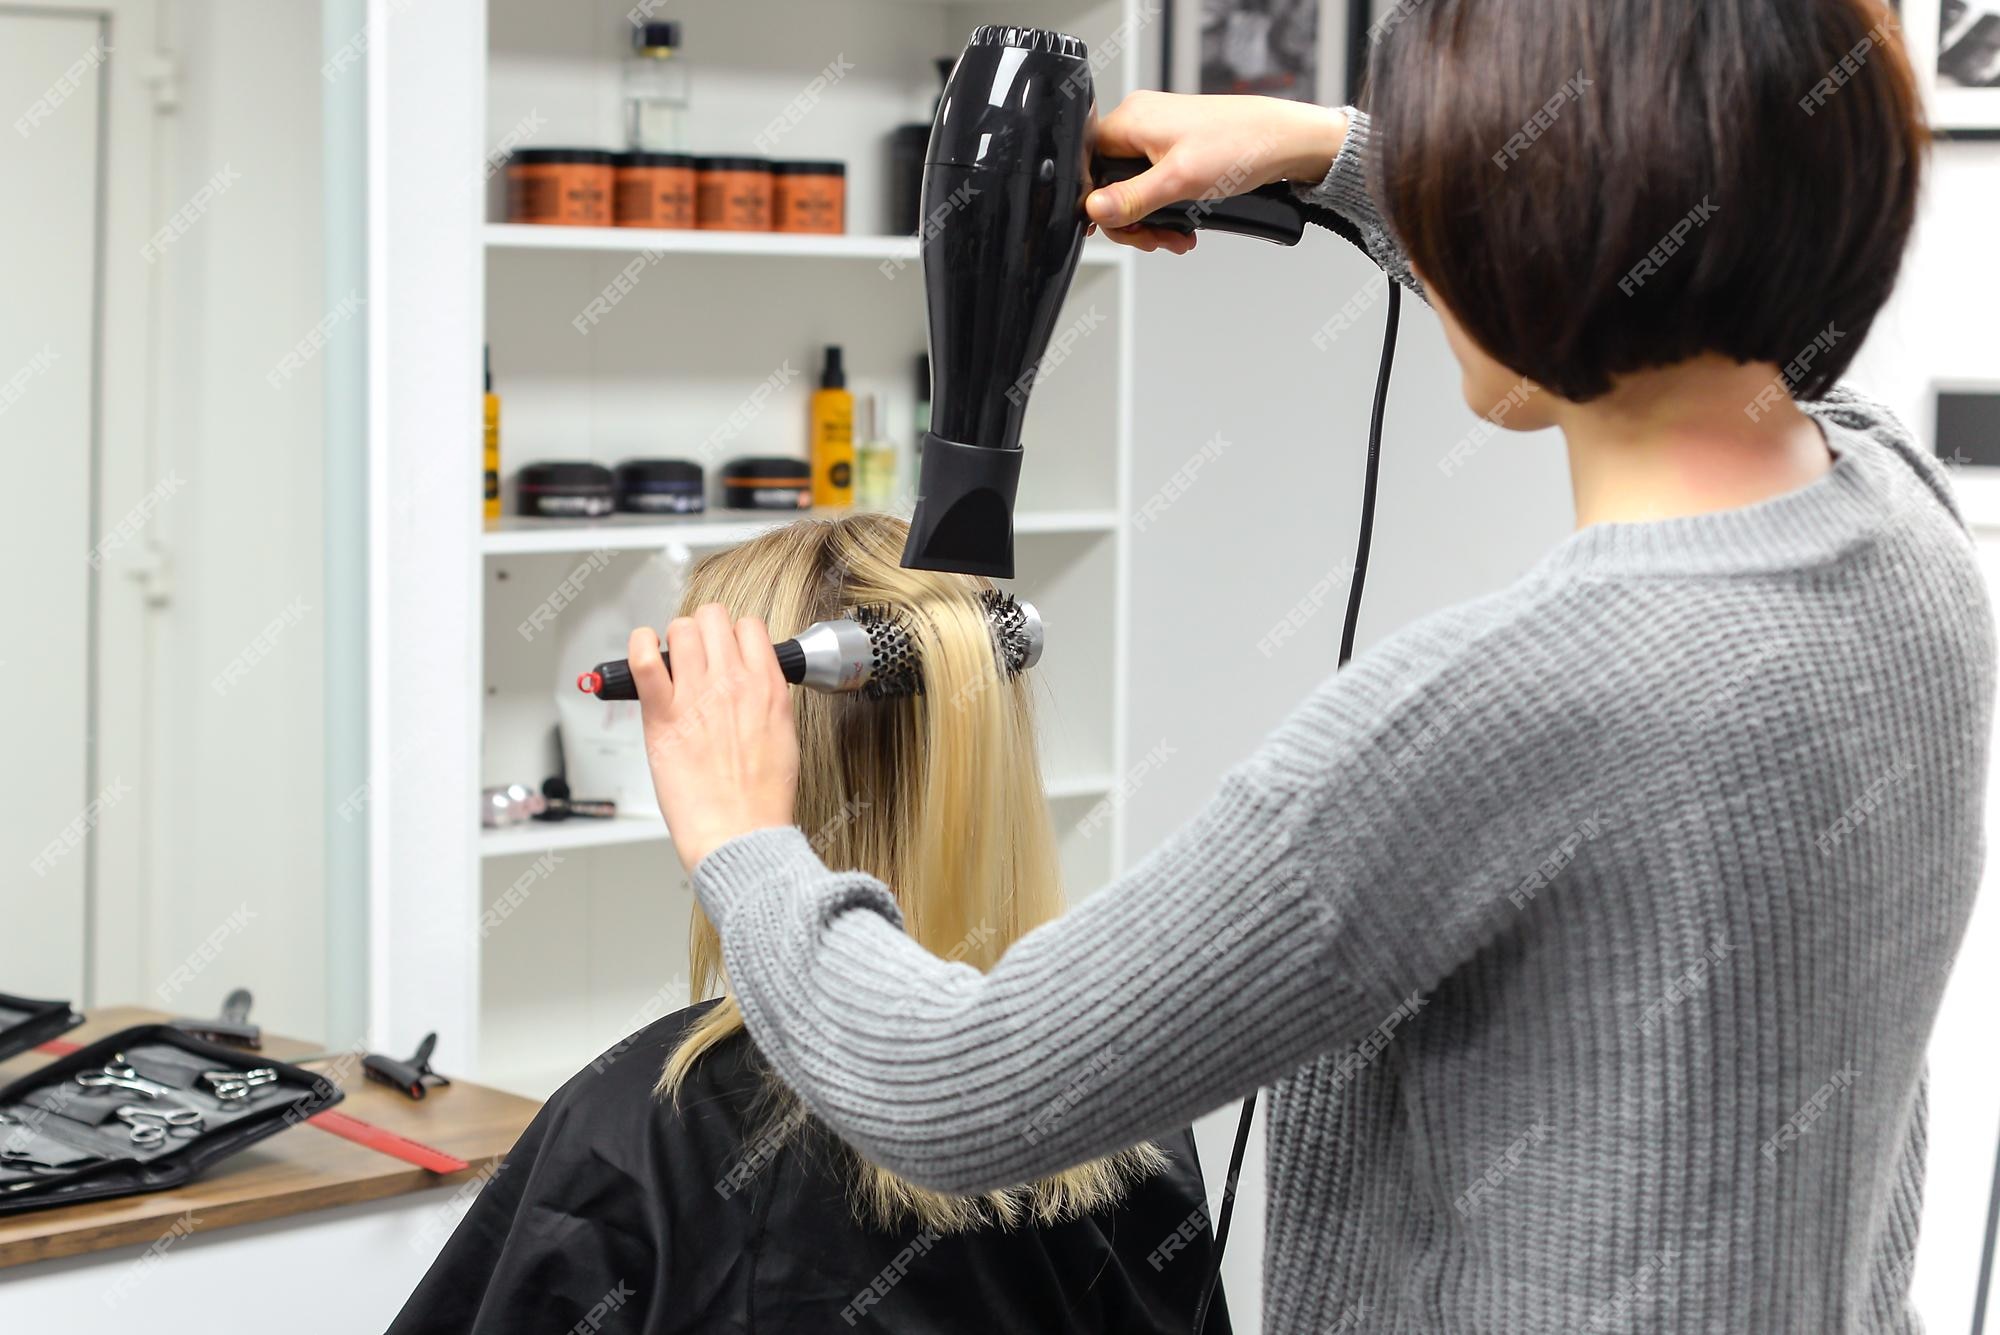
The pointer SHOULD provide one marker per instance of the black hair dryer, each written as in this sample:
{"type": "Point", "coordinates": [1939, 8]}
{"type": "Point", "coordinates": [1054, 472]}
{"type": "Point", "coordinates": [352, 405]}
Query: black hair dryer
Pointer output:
{"type": "Point", "coordinates": [1005, 176]}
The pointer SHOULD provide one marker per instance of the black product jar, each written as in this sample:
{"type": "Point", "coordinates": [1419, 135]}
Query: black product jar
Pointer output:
{"type": "Point", "coordinates": [565, 490]}
{"type": "Point", "coordinates": [660, 487]}
{"type": "Point", "coordinates": [767, 483]}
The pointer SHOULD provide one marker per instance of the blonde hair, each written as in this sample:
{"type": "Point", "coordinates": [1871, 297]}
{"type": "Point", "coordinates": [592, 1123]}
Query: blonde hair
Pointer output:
{"type": "Point", "coordinates": [938, 796]}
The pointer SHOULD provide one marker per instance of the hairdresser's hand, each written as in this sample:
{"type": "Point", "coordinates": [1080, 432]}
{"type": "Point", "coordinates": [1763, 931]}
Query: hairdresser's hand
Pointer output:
{"type": "Point", "coordinates": [1205, 147]}
{"type": "Point", "coordinates": [719, 732]}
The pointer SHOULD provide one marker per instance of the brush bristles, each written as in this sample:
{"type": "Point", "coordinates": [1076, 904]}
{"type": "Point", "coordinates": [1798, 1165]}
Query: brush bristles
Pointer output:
{"type": "Point", "coordinates": [897, 670]}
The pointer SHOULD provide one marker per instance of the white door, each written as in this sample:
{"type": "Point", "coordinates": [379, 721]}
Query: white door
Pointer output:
{"type": "Point", "coordinates": [50, 796]}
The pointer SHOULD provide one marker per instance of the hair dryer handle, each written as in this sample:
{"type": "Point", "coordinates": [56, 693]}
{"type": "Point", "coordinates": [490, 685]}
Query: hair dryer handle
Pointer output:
{"type": "Point", "coordinates": [1269, 213]}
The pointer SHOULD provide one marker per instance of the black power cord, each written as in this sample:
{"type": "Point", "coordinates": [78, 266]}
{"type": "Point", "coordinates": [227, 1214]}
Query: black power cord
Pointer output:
{"type": "Point", "coordinates": [1370, 476]}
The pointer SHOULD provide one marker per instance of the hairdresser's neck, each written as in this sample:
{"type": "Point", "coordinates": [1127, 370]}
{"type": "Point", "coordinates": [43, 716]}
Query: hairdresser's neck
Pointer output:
{"type": "Point", "coordinates": [1686, 440]}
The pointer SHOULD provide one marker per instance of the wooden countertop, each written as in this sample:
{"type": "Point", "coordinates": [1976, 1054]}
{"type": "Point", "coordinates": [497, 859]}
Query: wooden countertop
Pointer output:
{"type": "Point", "coordinates": [293, 1172]}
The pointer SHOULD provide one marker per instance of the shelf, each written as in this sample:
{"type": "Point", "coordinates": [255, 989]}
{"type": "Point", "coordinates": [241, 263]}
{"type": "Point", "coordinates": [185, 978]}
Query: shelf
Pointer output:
{"type": "Point", "coordinates": [554, 836]}
{"type": "Point", "coordinates": [517, 535]}
{"type": "Point", "coordinates": [744, 245]}
{"type": "Point", "coordinates": [537, 837]}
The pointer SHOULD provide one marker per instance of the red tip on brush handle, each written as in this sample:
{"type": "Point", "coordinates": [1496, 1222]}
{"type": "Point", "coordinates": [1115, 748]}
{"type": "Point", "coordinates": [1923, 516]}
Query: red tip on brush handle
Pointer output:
{"type": "Point", "coordinates": [609, 681]}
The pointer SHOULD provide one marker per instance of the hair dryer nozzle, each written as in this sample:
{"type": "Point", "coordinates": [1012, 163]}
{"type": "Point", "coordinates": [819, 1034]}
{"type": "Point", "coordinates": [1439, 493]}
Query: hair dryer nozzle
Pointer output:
{"type": "Point", "coordinates": [964, 520]}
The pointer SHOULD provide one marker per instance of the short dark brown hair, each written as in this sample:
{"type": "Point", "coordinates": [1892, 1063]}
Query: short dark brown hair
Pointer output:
{"type": "Point", "coordinates": [1597, 187]}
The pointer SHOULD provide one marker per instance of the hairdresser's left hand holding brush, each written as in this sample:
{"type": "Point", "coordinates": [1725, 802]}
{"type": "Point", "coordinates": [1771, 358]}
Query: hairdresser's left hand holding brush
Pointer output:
{"type": "Point", "coordinates": [720, 737]}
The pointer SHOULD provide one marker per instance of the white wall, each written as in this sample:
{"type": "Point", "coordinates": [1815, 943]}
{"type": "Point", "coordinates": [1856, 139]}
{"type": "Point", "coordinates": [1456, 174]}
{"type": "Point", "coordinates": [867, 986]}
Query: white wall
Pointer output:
{"type": "Point", "coordinates": [237, 775]}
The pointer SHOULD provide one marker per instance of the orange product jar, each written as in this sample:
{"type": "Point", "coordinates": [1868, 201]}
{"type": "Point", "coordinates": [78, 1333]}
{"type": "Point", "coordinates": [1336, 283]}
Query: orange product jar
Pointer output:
{"type": "Point", "coordinates": [654, 190]}
{"type": "Point", "coordinates": [809, 196]}
{"type": "Point", "coordinates": [564, 187]}
{"type": "Point", "coordinates": [732, 194]}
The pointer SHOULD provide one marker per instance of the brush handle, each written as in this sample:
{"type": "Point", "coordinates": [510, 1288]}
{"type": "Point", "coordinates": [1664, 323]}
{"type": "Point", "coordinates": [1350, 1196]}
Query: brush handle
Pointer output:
{"type": "Point", "coordinates": [612, 680]}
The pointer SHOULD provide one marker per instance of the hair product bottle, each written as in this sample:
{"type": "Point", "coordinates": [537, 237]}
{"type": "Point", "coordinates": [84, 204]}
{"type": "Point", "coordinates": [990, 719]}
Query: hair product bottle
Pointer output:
{"type": "Point", "coordinates": [833, 435]}
{"type": "Point", "coordinates": [492, 448]}
{"type": "Point", "coordinates": [875, 457]}
{"type": "Point", "coordinates": [656, 89]}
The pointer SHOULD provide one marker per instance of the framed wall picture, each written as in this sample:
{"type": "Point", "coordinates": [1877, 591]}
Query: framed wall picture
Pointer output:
{"type": "Point", "coordinates": [1965, 434]}
{"type": "Point", "coordinates": [1278, 48]}
{"type": "Point", "coordinates": [1955, 47]}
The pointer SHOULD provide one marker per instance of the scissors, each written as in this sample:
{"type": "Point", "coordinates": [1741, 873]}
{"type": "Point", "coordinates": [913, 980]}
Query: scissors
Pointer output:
{"type": "Point", "coordinates": [235, 1086]}
{"type": "Point", "coordinates": [119, 1073]}
{"type": "Point", "coordinates": [150, 1128]}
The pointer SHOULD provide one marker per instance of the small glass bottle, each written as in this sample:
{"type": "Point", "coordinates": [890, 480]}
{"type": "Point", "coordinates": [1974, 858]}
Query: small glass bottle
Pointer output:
{"type": "Point", "coordinates": [875, 457]}
{"type": "Point", "coordinates": [656, 90]}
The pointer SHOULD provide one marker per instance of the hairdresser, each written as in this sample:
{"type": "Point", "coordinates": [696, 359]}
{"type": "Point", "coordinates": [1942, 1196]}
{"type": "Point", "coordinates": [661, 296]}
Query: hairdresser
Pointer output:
{"type": "Point", "coordinates": [1590, 932]}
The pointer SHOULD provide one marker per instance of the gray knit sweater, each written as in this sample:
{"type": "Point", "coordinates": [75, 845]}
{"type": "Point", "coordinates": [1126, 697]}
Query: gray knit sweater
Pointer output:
{"type": "Point", "coordinates": [1589, 934]}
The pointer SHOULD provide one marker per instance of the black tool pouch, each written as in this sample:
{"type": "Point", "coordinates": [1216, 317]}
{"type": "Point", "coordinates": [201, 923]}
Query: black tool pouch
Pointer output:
{"type": "Point", "coordinates": [25, 1023]}
{"type": "Point", "coordinates": [63, 1141]}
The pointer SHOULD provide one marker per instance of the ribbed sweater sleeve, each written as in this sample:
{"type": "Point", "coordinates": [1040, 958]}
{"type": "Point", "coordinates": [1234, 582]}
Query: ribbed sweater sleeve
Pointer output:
{"type": "Point", "coordinates": [1346, 190]}
{"type": "Point", "coordinates": [1276, 926]}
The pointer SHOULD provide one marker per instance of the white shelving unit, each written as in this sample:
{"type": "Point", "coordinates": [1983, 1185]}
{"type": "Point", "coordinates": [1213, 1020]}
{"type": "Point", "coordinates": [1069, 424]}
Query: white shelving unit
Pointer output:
{"type": "Point", "coordinates": [738, 245]}
{"type": "Point", "coordinates": [571, 934]}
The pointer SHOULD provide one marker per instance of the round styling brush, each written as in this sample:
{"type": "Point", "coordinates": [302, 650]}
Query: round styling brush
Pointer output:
{"type": "Point", "coordinates": [868, 650]}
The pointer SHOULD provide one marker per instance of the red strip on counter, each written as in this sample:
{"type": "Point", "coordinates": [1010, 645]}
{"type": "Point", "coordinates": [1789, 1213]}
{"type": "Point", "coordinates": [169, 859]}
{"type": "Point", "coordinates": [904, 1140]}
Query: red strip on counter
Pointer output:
{"type": "Point", "coordinates": [58, 1047]}
{"type": "Point", "coordinates": [386, 1142]}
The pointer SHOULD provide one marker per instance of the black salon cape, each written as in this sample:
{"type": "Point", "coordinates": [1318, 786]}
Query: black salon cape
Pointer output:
{"type": "Point", "coordinates": [607, 1217]}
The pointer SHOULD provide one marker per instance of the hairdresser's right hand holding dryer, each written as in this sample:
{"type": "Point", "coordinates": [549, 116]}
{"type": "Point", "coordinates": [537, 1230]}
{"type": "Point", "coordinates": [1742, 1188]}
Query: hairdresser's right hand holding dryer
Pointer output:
{"type": "Point", "coordinates": [1205, 147]}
